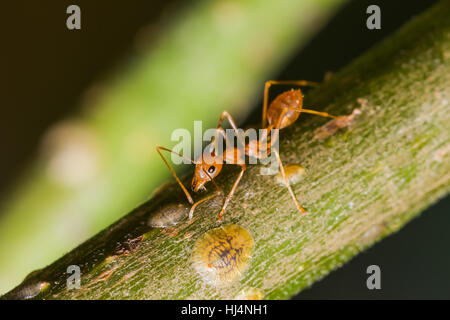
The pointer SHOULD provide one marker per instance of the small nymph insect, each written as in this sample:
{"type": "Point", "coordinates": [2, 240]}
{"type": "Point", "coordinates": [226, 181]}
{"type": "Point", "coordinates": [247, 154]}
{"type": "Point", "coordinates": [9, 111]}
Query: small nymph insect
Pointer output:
{"type": "Point", "coordinates": [282, 112]}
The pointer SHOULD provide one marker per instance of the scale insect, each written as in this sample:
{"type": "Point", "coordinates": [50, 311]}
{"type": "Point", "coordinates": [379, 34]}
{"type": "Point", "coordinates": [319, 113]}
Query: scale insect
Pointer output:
{"type": "Point", "coordinates": [221, 255]}
{"type": "Point", "coordinates": [283, 111]}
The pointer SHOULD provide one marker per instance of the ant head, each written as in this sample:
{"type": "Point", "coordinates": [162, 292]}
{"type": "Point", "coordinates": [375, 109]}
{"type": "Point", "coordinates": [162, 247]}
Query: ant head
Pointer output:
{"type": "Point", "coordinates": [207, 168]}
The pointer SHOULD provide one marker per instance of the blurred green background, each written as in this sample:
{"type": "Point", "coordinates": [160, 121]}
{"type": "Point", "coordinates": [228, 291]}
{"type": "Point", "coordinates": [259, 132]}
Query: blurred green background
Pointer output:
{"type": "Point", "coordinates": [83, 110]}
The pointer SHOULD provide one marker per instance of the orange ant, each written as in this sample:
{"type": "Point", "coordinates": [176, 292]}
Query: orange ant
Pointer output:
{"type": "Point", "coordinates": [282, 112]}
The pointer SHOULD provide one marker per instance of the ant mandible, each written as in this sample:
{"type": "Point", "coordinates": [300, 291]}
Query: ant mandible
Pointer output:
{"type": "Point", "coordinates": [282, 112]}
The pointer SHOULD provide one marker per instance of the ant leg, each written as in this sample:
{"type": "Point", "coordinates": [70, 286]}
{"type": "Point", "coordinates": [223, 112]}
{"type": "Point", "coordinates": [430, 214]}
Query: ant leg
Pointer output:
{"type": "Point", "coordinates": [224, 136]}
{"type": "Point", "coordinates": [225, 114]}
{"type": "Point", "coordinates": [191, 212]}
{"type": "Point", "coordinates": [243, 167]}
{"type": "Point", "coordinates": [275, 137]}
{"type": "Point", "coordinates": [188, 196]}
{"type": "Point", "coordinates": [287, 183]}
{"type": "Point", "coordinates": [213, 147]}
{"type": "Point", "coordinates": [186, 192]}
{"type": "Point", "coordinates": [268, 84]}
{"type": "Point", "coordinates": [300, 109]}
{"type": "Point", "coordinates": [317, 113]}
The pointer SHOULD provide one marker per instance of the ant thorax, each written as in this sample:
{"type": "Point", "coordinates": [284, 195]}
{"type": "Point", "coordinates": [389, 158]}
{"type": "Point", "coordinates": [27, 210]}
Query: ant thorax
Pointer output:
{"type": "Point", "coordinates": [233, 146]}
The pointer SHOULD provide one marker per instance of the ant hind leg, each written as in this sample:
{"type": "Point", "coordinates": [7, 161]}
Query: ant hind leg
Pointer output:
{"type": "Point", "coordinates": [317, 113]}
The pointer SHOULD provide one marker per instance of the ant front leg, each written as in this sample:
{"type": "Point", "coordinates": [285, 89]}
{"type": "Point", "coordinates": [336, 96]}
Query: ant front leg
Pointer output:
{"type": "Point", "coordinates": [268, 84]}
{"type": "Point", "coordinates": [191, 212]}
{"type": "Point", "coordinates": [186, 192]}
{"type": "Point", "coordinates": [225, 114]}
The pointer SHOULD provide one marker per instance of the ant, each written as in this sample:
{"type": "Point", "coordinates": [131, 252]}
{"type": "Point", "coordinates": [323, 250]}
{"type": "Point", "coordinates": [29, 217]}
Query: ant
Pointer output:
{"type": "Point", "coordinates": [282, 112]}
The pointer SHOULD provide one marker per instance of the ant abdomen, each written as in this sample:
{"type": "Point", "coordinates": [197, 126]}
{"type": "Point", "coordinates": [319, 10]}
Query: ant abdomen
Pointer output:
{"type": "Point", "coordinates": [292, 99]}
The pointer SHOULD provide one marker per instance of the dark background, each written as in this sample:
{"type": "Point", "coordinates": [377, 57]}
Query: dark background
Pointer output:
{"type": "Point", "coordinates": [46, 68]}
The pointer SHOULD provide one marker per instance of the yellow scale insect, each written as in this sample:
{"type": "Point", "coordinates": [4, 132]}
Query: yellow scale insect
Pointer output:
{"type": "Point", "coordinates": [221, 255]}
{"type": "Point", "coordinates": [282, 112]}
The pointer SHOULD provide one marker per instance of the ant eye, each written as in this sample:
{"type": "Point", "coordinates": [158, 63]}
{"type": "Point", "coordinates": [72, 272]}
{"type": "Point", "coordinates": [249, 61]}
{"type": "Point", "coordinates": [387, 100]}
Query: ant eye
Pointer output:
{"type": "Point", "coordinates": [211, 169]}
